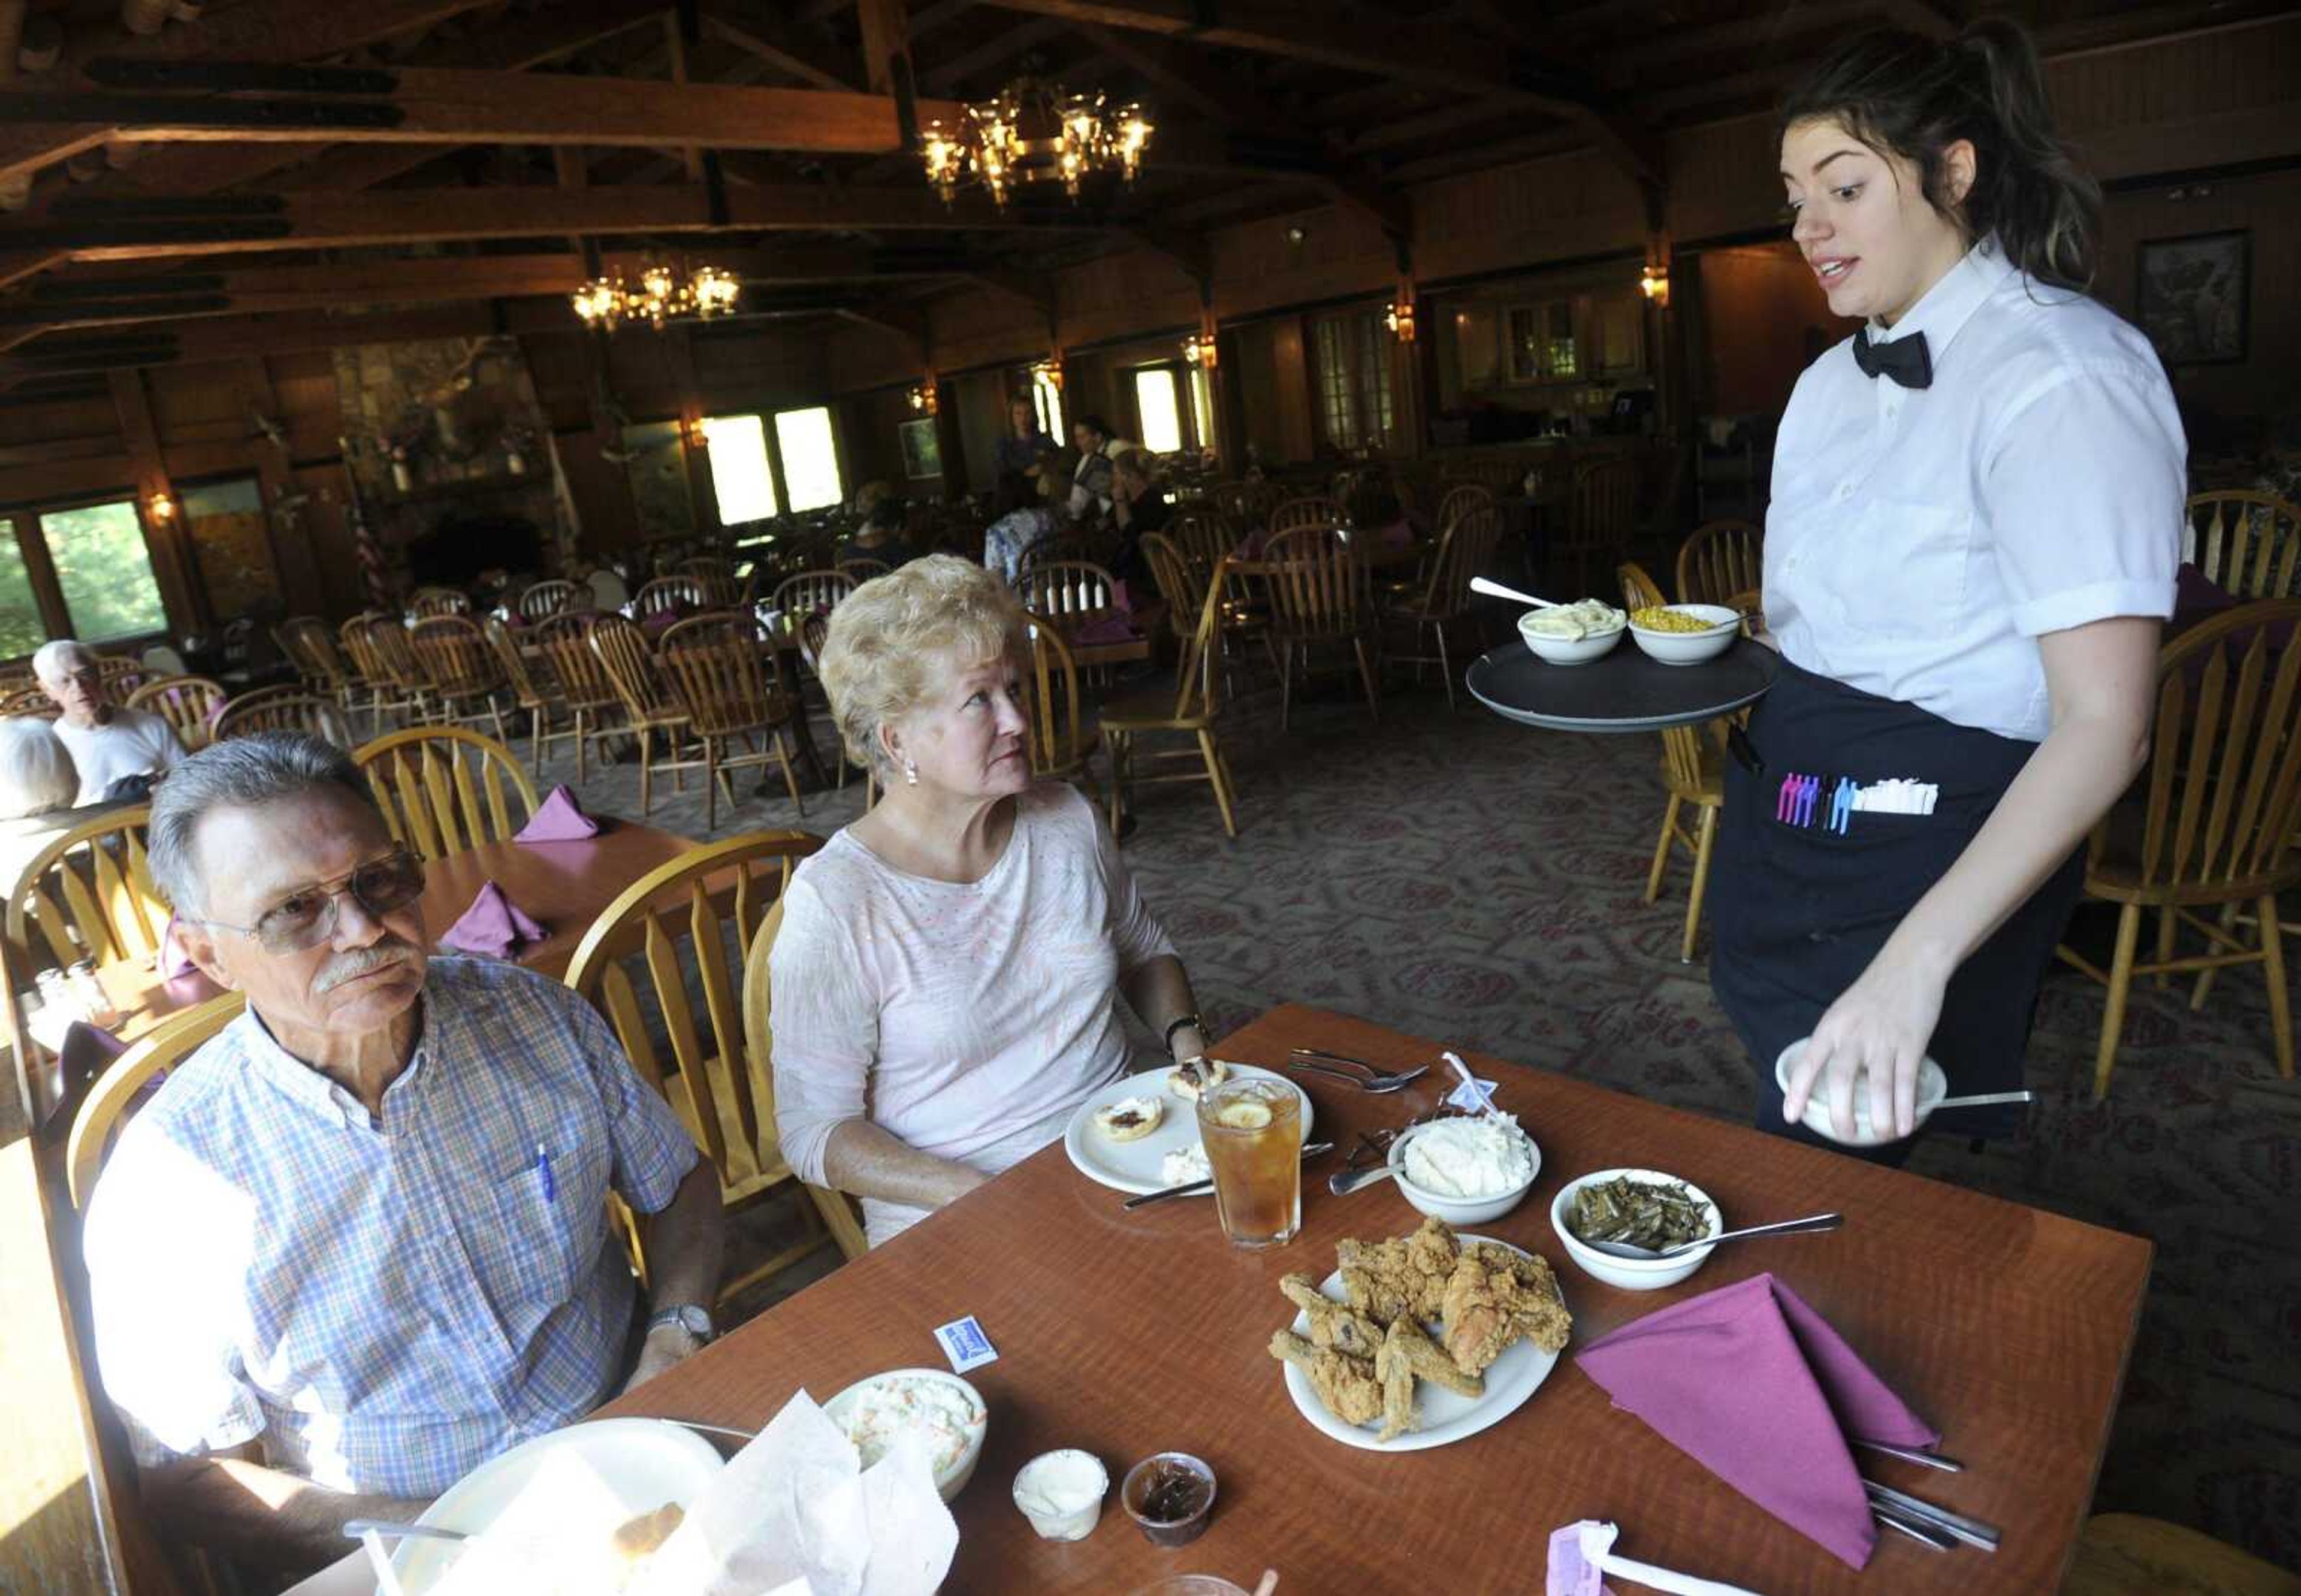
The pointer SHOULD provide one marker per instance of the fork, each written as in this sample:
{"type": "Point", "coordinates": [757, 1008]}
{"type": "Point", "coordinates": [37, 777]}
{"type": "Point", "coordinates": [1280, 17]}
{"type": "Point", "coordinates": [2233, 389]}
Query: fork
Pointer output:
{"type": "Point", "coordinates": [1376, 1079]}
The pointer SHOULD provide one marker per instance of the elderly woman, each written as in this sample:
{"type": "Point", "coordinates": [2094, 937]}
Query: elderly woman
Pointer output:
{"type": "Point", "coordinates": [38, 784]}
{"type": "Point", "coordinates": [947, 977]}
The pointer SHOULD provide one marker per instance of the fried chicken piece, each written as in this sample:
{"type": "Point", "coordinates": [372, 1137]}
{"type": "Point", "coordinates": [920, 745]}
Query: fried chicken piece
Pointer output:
{"type": "Point", "coordinates": [1345, 1384]}
{"type": "Point", "coordinates": [1428, 1360]}
{"type": "Point", "coordinates": [1405, 1275]}
{"type": "Point", "coordinates": [1494, 1298]}
{"type": "Point", "coordinates": [1333, 1325]}
{"type": "Point", "coordinates": [1397, 1376]}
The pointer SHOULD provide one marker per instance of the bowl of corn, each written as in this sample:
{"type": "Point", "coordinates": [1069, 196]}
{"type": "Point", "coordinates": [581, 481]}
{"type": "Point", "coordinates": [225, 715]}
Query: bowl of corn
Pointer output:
{"type": "Point", "coordinates": [1685, 634]}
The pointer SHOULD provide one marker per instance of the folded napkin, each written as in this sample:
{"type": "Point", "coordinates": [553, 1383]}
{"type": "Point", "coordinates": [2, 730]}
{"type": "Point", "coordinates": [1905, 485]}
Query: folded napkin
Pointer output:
{"type": "Point", "coordinates": [1104, 629]}
{"type": "Point", "coordinates": [1755, 1386]}
{"type": "Point", "coordinates": [174, 963]}
{"type": "Point", "coordinates": [559, 818]}
{"type": "Point", "coordinates": [492, 926]}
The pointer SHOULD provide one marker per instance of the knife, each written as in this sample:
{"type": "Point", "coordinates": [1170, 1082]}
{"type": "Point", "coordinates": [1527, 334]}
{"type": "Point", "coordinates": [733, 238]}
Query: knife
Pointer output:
{"type": "Point", "coordinates": [1309, 1151]}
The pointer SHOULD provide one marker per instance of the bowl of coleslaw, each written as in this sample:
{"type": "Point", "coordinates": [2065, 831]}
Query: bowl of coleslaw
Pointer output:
{"type": "Point", "coordinates": [944, 1410]}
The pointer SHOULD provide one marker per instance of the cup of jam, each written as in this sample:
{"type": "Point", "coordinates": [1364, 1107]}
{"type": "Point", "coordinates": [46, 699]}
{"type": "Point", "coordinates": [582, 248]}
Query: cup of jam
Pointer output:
{"type": "Point", "coordinates": [1170, 1496]}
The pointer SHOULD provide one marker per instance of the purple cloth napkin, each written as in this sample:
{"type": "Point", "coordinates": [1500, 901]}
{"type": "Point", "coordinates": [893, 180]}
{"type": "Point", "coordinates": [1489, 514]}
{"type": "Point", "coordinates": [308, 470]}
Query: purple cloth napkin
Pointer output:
{"type": "Point", "coordinates": [1104, 629]}
{"type": "Point", "coordinates": [559, 818]}
{"type": "Point", "coordinates": [174, 962]}
{"type": "Point", "coordinates": [1756, 1387]}
{"type": "Point", "coordinates": [492, 927]}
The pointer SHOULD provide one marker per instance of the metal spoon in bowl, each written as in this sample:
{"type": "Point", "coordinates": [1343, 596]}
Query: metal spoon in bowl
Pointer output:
{"type": "Point", "coordinates": [1495, 590]}
{"type": "Point", "coordinates": [1784, 1227]}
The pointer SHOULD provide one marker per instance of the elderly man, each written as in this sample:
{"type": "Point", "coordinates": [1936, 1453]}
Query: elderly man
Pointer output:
{"type": "Point", "coordinates": [358, 1244]}
{"type": "Point", "coordinates": [107, 742]}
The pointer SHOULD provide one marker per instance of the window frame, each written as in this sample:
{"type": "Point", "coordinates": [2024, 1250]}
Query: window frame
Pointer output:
{"type": "Point", "coordinates": [771, 420]}
{"type": "Point", "coordinates": [1353, 387]}
{"type": "Point", "coordinates": [1185, 423]}
{"type": "Point", "coordinates": [22, 519]}
{"type": "Point", "coordinates": [767, 456]}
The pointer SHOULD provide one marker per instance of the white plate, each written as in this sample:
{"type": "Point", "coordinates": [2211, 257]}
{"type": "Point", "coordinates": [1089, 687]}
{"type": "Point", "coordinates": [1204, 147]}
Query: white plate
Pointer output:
{"type": "Point", "coordinates": [1132, 1166]}
{"type": "Point", "coordinates": [643, 1462]}
{"type": "Point", "coordinates": [1443, 1416]}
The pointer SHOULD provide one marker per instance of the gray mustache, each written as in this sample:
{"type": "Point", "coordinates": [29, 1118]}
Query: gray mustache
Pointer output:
{"type": "Point", "coordinates": [359, 962]}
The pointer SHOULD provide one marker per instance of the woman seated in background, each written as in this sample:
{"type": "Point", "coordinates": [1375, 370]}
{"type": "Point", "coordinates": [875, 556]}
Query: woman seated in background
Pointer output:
{"type": "Point", "coordinates": [881, 538]}
{"type": "Point", "coordinates": [1138, 506]}
{"type": "Point", "coordinates": [947, 977]}
{"type": "Point", "coordinates": [38, 784]}
{"type": "Point", "coordinates": [1009, 542]}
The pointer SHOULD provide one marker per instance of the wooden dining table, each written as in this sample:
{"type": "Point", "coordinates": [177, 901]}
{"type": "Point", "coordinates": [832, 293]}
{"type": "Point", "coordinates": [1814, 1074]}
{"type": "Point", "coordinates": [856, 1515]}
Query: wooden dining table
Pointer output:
{"type": "Point", "coordinates": [1128, 1334]}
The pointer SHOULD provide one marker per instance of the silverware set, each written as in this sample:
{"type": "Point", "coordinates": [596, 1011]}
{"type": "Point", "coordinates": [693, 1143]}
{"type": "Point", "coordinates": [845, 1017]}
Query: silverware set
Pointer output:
{"type": "Point", "coordinates": [1921, 1520]}
{"type": "Point", "coordinates": [1369, 1077]}
{"type": "Point", "coordinates": [1310, 1149]}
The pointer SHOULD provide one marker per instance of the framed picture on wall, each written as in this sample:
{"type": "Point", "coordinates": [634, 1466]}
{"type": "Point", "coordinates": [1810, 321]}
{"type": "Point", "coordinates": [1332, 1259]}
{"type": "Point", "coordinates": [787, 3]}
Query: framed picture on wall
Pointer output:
{"type": "Point", "coordinates": [2191, 297]}
{"type": "Point", "coordinates": [922, 451]}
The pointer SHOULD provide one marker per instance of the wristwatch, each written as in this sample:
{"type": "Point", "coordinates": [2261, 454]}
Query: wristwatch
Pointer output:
{"type": "Point", "coordinates": [689, 1316]}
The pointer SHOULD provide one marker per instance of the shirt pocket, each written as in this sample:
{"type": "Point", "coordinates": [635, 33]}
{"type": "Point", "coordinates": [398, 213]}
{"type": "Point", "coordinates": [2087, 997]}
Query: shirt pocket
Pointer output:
{"type": "Point", "coordinates": [1901, 568]}
{"type": "Point", "coordinates": [538, 1238]}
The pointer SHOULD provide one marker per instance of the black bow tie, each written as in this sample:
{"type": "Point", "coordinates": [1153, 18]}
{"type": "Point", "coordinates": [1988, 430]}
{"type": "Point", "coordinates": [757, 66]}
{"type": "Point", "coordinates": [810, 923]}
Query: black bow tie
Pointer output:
{"type": "Point", "coordinates": [1904, 359]}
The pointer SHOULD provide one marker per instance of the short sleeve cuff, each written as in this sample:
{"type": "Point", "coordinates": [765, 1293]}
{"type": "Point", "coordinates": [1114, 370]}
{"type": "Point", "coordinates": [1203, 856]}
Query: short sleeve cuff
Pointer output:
{"type": "Point", "coordinates": [2099, 601]}
{"type": "Point", "coordinates": [655, 1177]}
{"type": "Point", "coordinates": [236, 1428]}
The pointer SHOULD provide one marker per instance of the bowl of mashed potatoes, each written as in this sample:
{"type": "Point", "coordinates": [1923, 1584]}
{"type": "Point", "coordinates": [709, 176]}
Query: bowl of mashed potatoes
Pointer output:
{"type": "Point", "coordinates": [1685, 634]}
{"type": "Point", "coordinates": [1466, 1170]}
{"type": "Point", "coordinates": [1572, 634]}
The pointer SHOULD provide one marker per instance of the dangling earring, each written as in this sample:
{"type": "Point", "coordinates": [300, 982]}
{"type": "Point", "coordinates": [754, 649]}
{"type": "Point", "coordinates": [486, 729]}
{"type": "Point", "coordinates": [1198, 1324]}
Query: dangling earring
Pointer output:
{"type": "Point", "coordinates": [910, 774]}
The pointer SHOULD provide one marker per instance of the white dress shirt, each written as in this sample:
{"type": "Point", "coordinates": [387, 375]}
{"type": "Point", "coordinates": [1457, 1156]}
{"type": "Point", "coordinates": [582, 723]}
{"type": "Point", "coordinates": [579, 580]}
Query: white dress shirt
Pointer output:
{"type": "Point", "coordinates": [134, 742]}
{"type": "Point", "coordinates": [1920, 541]}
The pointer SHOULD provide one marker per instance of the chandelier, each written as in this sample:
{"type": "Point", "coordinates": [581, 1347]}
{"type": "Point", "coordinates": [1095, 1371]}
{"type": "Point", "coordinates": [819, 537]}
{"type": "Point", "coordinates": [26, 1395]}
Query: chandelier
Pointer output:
{"type": "Point", "coordinates": [1036, 131]}
{"type": "Point", "coordinates": [661, 293]}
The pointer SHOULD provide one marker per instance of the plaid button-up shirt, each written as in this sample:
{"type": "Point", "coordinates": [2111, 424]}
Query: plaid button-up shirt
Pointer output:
{"type": "Point", "coordinates": [384, 1305]}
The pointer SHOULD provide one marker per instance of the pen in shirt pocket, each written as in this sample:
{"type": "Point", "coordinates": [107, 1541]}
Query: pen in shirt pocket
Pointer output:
{"type": "Point", "coordinates": [543, 1168]}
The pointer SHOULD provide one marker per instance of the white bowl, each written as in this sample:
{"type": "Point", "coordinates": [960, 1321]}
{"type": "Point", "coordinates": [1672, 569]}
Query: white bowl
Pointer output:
{"type": "Point", "coordinates": [1933, 1086]}
{"type": "Point", "coordinates": [1690, 648]}
{"type": "Point", "coordinates": [1458, 1210]}
{"type": "Point", "coordinates": [1632, 1275]}
{"type": "Point", "coordinates": [952, 1478]}
{"type": "Point", "coordinates": [1569, 651]}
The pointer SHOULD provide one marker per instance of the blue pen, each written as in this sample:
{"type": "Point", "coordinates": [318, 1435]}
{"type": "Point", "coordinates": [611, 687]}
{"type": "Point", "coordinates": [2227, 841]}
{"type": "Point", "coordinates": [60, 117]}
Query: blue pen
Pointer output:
{"type": "Point", "coordinates": [543, 1168]}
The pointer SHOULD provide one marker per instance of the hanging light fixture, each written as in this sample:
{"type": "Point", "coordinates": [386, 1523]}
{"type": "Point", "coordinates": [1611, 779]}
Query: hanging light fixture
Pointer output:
{"type": "Point", "coordinates": [1200, 352]}
{"type": "Point", "coordinates": [924, 399]}
{"type": "Point", "coordinates": [1653, 282]}
{"type": "Point", "coordinates": [1034, 130]}
{"type": "Point", "coordinates": [1400, 320]}
{"type": "Point", "coordinates": [663, 293]}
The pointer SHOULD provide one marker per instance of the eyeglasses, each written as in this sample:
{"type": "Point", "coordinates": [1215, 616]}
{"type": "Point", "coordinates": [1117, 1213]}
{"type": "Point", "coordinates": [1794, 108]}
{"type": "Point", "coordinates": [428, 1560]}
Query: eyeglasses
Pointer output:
{"type": "Point", "coordinates": [307, 917]}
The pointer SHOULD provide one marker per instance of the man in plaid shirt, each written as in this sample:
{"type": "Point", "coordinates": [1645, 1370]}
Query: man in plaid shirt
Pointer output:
{"type": "Point", "coordinates": [358, 1244]}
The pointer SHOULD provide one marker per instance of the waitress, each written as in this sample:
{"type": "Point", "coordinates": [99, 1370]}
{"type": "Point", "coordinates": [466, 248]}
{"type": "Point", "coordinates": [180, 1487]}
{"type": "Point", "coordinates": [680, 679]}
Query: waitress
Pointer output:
{"type": "Point", "coordinates": [1976, 519]}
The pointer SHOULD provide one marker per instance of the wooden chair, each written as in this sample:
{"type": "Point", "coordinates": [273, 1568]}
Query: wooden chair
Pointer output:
{"type": "Point", "coordinates": [1462, 499]}
{"type": "Point", "coordinates": [1602, 513]}
{"type": "Point", "coordinates": [730, 680]}
{"type": "Point", "coordinates": [88, 894]}
{"type": "Point", "coordinates": [1247, 503]}
{"type": "Point", "coordinates": [410, 689]}
{"type": "Point", "coordinates": [2213, 828]}
{"type": "Point", "coordinates": [186, 703]}
{"type": "Point", "coordinates": [708, 569]}
{"type": "Point", "coordinates": [368, 682]}
{"type": "Point", "coordinates": [814, 632]}
{"type": "Point", "coordinates": [650, 709]}
{"type": "Point", "coordinates": [121, 675]}
{"type": "Point", "coordinates": [1067, 594]}
{"type": "Point", "coordinates": [1190, 711]}
{"type": "Point", "coordinates": [2247, 542]}
{"type": "Point", "coordinates": [542, 601]}
{"type": "Point", "coordinates": [1719, 559]}
{"type": "Point", "coordinates": [1692, 773]}
{"type": "Point", "coordinates": [308, 645]}
{"type": "Point", "coordinates": [864, 569]}
{"type": "Point", "coordinates": [1063, 740]}
{"type": "Point", "coordinates": [461, 670]}
{"type": "Point", "coordinates": [1639, 590]}
{"type": "Point", "coordinates": [32, 701]}
{"type": "Point", "coordinates": [676, 923]}
{"type": "Point", "coordinates": [585, 689]}
{"type": "Point", "coordinates": [1206, 537]}
{"type": "Point", "coordinates": [538, 697]}
{"type": "Point", "coordinates": [1319, 597]}
{"type": "Point", "coordinates": [424, 781]}
{"type": "Point", "coordinates": [426, 603]}
{"type": "Point", "coordinates": [1311, 510]}
{"type": "Point", "coordinates": [2124, 1554]}
{"type": "Point", "coordinates": [667, 593]}
{"type": "Point", "coordinates": [1466, 547]}
{"type": "Point", "coordinates": [284, 709]}
{"type": "Point", "coordinates": [811, 593]}
{"type": "Point", "coordinates": [118, 1090]}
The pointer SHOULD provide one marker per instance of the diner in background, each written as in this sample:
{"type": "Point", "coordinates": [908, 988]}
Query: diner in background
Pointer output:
{"type": "Point", "coordinates": [358, 1244]}
{"type": "Point", "coordinates": [1009, 542]}
{"type": "Point", "coordinates": [110, 743]}
{"type": "Point", "coordinates": [880, 537]}
{"type": "Point", "coordinates": [1100, 449]}
{"type": "Point", "coordinates": [1022, 453]}
{"type": "Point", "coordinates": [39, 785]}
{"type": "Point", "coordinates": [946, 978]}
{"type": "Point", "coordinates": [1977, 514]}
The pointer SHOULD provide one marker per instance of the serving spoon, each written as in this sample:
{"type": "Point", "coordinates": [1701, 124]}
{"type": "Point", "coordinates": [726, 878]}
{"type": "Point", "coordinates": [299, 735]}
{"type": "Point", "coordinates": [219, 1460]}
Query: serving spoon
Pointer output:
{"type": "Point", "coordinates": [1780, 1227]}
{"type": "Point", "coordinates": [1495, 590]}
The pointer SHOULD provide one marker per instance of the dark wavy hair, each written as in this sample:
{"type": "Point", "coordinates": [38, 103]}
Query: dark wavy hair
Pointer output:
{"type": "Point", "coordinates": [1904, 94]}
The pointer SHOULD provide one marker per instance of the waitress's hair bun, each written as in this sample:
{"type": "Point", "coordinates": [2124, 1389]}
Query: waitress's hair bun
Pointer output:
{"type": "Point", "coordinates": [1904, 94]}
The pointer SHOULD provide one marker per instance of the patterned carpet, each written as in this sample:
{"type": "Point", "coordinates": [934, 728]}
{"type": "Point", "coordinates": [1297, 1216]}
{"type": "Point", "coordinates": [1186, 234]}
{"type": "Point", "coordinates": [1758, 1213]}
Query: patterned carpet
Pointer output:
{"type": "Point", "coordinates": [1466, 879]}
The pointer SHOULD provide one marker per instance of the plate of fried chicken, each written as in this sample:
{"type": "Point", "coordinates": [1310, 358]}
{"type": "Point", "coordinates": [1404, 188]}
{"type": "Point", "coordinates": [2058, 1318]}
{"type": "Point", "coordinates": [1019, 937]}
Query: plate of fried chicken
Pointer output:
{"type": "Point", "coordinates": [1420, 1339]}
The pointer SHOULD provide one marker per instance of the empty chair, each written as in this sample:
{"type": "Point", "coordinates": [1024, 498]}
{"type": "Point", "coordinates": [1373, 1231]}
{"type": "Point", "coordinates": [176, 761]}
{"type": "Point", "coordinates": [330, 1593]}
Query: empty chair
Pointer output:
{"type": "Point", "coordinates": [444, 789]}
{"type": "Point", "coordinates": [1719, 559]}
{"type": "Point", "coordinates": [1601, 514]}
{"type": "Point", "coordinates": [460, 670]}
{"type": "Point", "coordinates": [1462, 499]}
{"type": "Point", "coordinates": [730, 682]}
{"type": "Point", "coordinates": [410, 687]}
{"type": "Point", "coordinates": [811, 593]}
{"type": "Point", "coordinates": [311, 647]}
{"type": "Point", "coordinates": [532, 690]}
{"type": "Point", "coordinates": [2245, 541]}
{"type": "Point", "coordinates": [1206, 537]}
{"type": "Point", "coordinates": [580, 679]}
{"type": "Point", "coordinates": [651, 711]}
{"type": "Point", "coordinates": [187, 703]}
{"type": "Point", "coordinates": [542, 601]}
{"type": "Point", "coordinates": [1312, 510]}
{"type": "Point", "coordinates": [1319, 597]}
{"type": "Point", "coordinates": [1248, 505]}
{"type": "Point", "coordinates": [426, 603]}
{"type": "Point", "coordinates": [284, 709]}
{"type": "Point", "coordinates": [1466, 549]}
{"type": "Point", "coordinates": [673, 594]}
{"type": "Point", "coordinates": [1190, 710]}
{"type": "Point", "coordinates": [1063, 740]}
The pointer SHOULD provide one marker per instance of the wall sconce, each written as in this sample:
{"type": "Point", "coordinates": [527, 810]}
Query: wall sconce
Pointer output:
{"type": "Point", "coordinates": [923, 400]}
{"type": "Point", "coordinates": [1653, 282]}
{"type": "Point", "coordinates": [1400, 320]}
{"type": "Point", "coordinates": [691, 428]}
{"type": "Point", "coordinates": [1200, 352]}
{"type": "Point", "coordinates": [161, 508]}
{"type": "Point", "coordinates": [1048, 370]}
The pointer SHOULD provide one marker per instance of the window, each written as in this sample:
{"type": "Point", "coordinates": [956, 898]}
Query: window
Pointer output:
{"type": "Point", "coordinates": [103, 571]}
{"type": "Point", "coordinates": [740, 476]}
{"type": "Point", "coordinates": [20, 629]}
{"type": "Point", "coordinates": [1161, 415]}
{"type": "Point", "coordinates": [1542, 347]}
{"type": "Point", "coordinates": [1047, 399]}
{"type": "Point", "coordinates": [810, 459]}
{"type": "Point", "coordinates": [1353, 352]}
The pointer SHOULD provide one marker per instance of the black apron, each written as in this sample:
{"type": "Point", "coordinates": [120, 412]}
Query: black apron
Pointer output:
{"type": "Point", "coordinates": [1799, 910]}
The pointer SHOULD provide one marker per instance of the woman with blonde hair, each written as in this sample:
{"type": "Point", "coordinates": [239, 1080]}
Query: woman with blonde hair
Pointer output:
{"type": "Point", "coordinates": [948, 974]}
{"type": "Point", "coordinates": [38, 784]}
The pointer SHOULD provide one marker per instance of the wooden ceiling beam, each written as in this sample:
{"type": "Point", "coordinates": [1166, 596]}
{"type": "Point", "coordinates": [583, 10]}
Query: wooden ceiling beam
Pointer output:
{"type": "Point", "coordinates": [268, 30]}
{"type": "Point", "coordinates": [442, 105]}
{"type": "Point", "coordinates": [757, 31]}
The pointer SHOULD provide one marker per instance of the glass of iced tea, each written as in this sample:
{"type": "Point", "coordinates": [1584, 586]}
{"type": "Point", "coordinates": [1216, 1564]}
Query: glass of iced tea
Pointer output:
{"type": "Point", "coordinates": [1253, 1134]}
